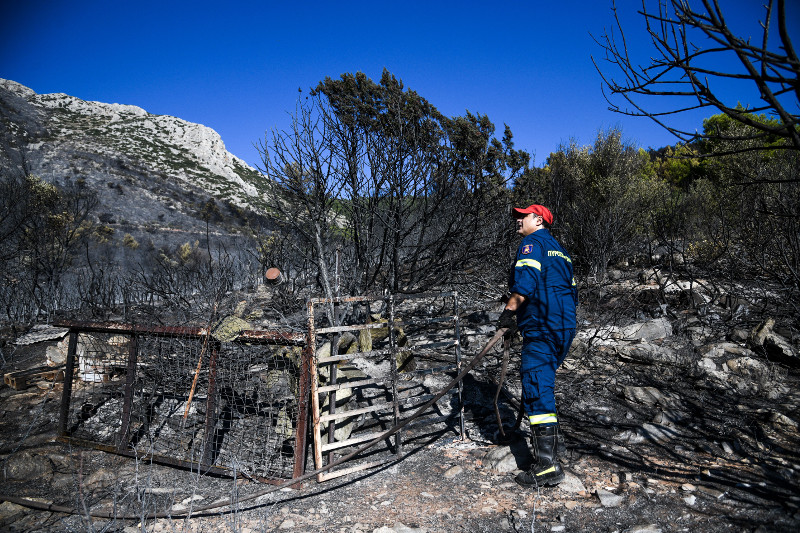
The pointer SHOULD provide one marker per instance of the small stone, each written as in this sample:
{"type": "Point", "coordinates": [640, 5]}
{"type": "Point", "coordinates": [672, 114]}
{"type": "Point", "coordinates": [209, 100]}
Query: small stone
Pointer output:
{"type": "Point", "coordinates": [780, 419]}
{"type": "Point", "coordinates": [571, 504]}
{"type": "Point", "coordinates": [287, 524]}
{"type": "Point", "coordinates": [644, 528]}
{"type": "Point", "coordinates": [688, 487]}
{"type": "Point", "coordinates": [190, 499]}
{"type": "Point", "coordinates": [738, 335]}
{"type": "Point", "coordinates": [654, 329]}
{"type": "Point", "coordinates": [707, 364]}
{"type": "Point", "coordinates": [159, 490]}
{"type": "Point", "coordinates": [658, 433]}
{"type": "Point", "coordinates": [609, 499]}
{"type": "Point", "coordinates": [571, 484]}
{"type": "Point", "coordinates": [500, 459]}
{"type": "Point", "coordinates": [690, 499]}
{"type": "Point", "coordinates": [726, 447]}
{"type": "Point", "coordinates": [453, 471]}
{"type": "Point", "coordinates": [646, 395]}
{"type": "Point", "coordinates": [398, 527]}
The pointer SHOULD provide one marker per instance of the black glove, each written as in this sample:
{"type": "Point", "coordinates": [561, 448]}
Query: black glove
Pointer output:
{"type": "Point", "coordinates": [508, 319]}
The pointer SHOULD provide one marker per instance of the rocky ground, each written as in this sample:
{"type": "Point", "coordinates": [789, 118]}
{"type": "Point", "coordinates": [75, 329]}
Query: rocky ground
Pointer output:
{"type": "Point", "coordinates": [679, 406]}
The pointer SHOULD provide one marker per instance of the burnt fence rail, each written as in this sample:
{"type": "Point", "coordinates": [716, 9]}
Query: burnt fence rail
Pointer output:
{"type": "Point", "coordinates": [182, 397]}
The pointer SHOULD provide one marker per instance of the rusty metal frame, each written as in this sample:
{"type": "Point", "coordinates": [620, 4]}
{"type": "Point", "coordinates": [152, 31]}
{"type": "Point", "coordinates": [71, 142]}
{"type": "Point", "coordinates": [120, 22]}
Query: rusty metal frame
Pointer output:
{"type": "Point", "coordinates": [276, 337]}
{"type": "Point", "coordinates": [331, 388]}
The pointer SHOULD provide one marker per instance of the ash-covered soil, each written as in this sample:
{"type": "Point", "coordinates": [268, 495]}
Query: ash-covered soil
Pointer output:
{"type": "Point", "coordinates": [692, 430]}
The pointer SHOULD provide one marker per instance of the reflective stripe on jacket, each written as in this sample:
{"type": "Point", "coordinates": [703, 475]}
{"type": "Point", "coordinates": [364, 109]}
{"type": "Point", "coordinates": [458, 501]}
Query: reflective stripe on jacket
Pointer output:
{"type": "Point", "coordinates": [543, 274]}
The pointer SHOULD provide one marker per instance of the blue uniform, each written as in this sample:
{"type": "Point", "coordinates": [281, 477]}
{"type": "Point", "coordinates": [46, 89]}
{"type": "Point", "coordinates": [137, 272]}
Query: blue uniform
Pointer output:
{"type": "Point", "coordinates": [543, 274]}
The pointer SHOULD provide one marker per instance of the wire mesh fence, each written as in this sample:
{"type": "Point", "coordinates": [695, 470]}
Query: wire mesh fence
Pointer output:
{"type": "Point", "coordinates": [180, 396]}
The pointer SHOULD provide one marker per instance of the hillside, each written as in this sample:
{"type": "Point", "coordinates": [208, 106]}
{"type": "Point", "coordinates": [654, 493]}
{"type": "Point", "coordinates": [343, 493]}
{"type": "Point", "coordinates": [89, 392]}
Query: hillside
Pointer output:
{"type": "Point", "coordinates": [147, 170]}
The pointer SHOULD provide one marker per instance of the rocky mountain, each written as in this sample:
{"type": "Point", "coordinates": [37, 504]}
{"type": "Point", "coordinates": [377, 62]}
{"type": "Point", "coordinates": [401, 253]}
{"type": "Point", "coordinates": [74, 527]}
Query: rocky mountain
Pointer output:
{"type": "Point", "coordinates": [148, 170]}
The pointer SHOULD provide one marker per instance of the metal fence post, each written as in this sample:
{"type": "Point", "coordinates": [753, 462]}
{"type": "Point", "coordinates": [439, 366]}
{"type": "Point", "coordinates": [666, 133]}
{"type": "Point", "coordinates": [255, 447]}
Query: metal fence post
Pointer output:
{"type": "Point", "coordinates": [68, 374]}
{"type": "Point", "coordinates": [130, 378]}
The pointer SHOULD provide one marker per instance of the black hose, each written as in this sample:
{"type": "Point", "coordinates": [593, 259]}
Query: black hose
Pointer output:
{"type": "Point", "coordinates": [502, 438]}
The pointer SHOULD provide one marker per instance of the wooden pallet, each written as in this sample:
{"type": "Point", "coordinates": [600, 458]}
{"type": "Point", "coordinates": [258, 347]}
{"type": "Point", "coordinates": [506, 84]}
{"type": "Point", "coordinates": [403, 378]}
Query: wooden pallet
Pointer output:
{"type": "Point", "coordinates": [24, 378]}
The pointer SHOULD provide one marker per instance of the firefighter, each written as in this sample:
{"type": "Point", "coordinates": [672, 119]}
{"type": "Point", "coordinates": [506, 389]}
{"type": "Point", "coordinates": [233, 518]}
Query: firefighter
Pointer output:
{"type": "Point", "coordinates": [542, 305]}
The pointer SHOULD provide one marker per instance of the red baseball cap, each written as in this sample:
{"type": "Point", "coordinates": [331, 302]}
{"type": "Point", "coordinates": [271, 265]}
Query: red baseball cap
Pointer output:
{"type": "Point", "coordinates": [536, 209]}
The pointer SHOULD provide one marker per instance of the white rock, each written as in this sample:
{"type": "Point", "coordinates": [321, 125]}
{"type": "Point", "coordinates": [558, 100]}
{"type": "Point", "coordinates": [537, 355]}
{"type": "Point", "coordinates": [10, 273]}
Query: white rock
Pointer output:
{"type": "Point", "coordinates": [609, 499]}
{"type": "Point", "coordinates": [659, 433]}
{"type": "Point", "coordinates": [649, 354]}
{"type": "Point", "coordinates": [500, 459]}
{"type": "Point", "coordinates": [707, 364]}
{"type": "Point", "coordinates": [647, 396]}
{"type": "Point", "coordinates": [571, 483]}
{"type": "Point", "coordinates": [652, 330]}
{"type": "Point", "coordinates": [644, 528]}
{"type": "Point", "coordinates": [398, 527]}
{"type": "Point", "coordinates": [779, 419]}
{"type": "Point", "coordinates": [453, 471]}
{"type": "Point", "coordinates": [747, 367]}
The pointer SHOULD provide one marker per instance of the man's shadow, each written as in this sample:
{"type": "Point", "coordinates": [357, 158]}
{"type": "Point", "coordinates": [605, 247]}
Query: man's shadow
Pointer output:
{"type": "Point", "coordinates": [478, 401]}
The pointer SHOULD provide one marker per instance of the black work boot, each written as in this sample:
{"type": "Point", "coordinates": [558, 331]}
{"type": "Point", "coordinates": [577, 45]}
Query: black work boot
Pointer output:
{"type": "Point", "coordinates": [545, 469]}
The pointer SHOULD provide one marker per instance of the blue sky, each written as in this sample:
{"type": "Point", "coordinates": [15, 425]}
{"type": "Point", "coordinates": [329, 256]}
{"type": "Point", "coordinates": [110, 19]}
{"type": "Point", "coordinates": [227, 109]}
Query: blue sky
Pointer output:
{"type": "Point", "coordinates": [236, 67]}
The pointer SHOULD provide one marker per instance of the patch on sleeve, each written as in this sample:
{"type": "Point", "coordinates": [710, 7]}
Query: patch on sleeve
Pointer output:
{"type": "Point", "coordinates": [528, 248]}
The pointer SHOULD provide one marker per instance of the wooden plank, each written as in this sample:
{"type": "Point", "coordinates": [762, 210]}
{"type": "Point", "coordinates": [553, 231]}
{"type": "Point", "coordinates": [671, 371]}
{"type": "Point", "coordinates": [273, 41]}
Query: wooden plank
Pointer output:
{"type": "Point", "coordinates": [354, 355]}
{"type": "Point", "coordinates": [355, 412]}
{"type": "Point", "coordinates": [357, 327]}
{"type": "Point", "coordinates": [344, 471]}
{"type": "Point", "coordinates": [350, 441]}
{"type": "Point", "coordinates": [23, 378]}
{"type": "Point", "coordinates": [314, 375]}
{"type": "Point", "coordinates": [352, 384]}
